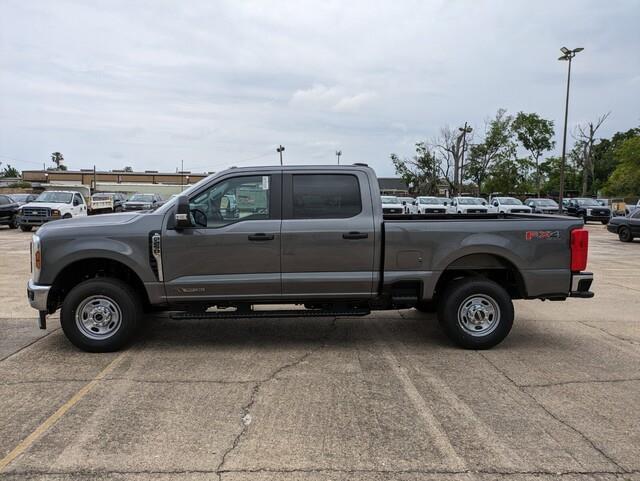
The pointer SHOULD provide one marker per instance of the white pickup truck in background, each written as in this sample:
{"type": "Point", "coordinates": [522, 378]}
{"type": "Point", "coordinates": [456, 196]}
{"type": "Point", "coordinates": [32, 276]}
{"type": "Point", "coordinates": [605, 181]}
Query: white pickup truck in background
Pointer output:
{"type": "Point", "coordinates": [107, 202]}
{"type": "Point", "coordinates": [508, 205]}
{"type": "Point", "coordinates": [51, 205]}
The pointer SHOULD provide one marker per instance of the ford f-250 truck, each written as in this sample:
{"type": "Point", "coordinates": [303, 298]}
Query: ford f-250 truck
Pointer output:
{"type": "Point", "coordinates": [314, 237]}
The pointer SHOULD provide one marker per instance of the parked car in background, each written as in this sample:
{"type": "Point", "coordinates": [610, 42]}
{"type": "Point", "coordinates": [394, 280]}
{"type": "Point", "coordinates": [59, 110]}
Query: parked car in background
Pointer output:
{"type": "Point", "coordinates": [627, 227]}
{"type": "Point", "coordinates": [467, 205]}
{"type": "Point", "coordinates": [143, 202]}
{"type": "Point", "coordinates": [409, 204]}
{"type": "Point", "coordinates": [8, 211]}
{"type": "Point", "coordinates": [508, 205]}
{"type": "Point", "coordinates": [391, 205]}
{"type": "Point", "coordinates": [542, 206]}
{"type": "Point", "coordinates": [51, 205]}
{"type": "Point", "coordinates": [588, 209]}
{"type": "Point", "coordinates": [632, 208]}
{"type": "Point", "coordinates": [23, 199]}
{"type": "Point", "coordinates": [431, 205]}
{"type": "Point", "coordinates": [107, 202]}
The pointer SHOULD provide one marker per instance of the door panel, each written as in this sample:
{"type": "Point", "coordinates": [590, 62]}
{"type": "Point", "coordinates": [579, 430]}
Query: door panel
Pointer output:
{"type": "Point", "coordinates": [327, 257]}
{"type": "Point", "coordinates": [237, 254]}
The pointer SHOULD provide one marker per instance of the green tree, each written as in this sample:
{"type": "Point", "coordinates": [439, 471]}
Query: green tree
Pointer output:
{"type": "Point", "coordinates": [10, 172]}
{"type": "Point", "coordinates": [536, 136]}
{"type": "Point", "coordinates": [58, 159]}
{"type": "Point", "coordinates": [128, 169]}
{"type": "Point", "coordinates": [497, 143]}
{"type": "Point", "coordinates": [625, 180]}
{"type": "Point", "coordinates": [605, 160]}
{"type": "Point", "coordinates": [420, 171]}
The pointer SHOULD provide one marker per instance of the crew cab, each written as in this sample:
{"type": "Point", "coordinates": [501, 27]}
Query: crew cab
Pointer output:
{"type": "Point", "coordinates": [409, 204]}
{"type": "Point", "coordinates": [432, 205]}
{"type": "Point", "coordinates": [588, 209]}
{"type": "Point", "coordinates": [311, 236]}
{"type": "Point", "coordinates": [467, 205]}
{"type": "Point", "coordinates": [508, 205]}
{"type": "Point", "coordinates": [51, 205]}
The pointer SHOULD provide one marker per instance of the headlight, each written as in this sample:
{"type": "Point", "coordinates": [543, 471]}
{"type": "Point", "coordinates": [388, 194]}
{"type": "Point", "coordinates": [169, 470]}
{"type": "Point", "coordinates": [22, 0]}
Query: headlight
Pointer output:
{"type": "Point", "coordinates": [36, 257]}
{"type": "Point", "coordinates": [147, 206]}
{"type": "Point", "coordinates": [588, 211]}
{"type": "Point", "coordinates": [55, 212]}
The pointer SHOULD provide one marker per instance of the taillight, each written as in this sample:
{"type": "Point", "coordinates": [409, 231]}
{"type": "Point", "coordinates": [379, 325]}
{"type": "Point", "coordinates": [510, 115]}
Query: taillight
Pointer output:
{"type": "Point", "coordinates": [579, 249]}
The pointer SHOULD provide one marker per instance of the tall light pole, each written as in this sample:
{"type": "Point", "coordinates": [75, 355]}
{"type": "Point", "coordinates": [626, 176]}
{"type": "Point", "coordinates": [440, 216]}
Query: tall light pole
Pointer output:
{"type": "Point", "coordinates": [280, 149]}
{"type": "Point", "coordinates": [465, 130]}
{"type": "Point", "coordinates": [338, 154]}
{"type": "Point", "coordinates": [566, 55]}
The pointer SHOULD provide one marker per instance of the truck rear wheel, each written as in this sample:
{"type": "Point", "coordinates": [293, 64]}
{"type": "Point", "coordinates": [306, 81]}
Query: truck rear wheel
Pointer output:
{"type": "Point", "coordinates": [624, 234]}
{"type": "Point", "coordinates": [476, 313]}
{"type": "Point", "coordinates": [26, 228]}
{"type": "Point", "coordinates": [100, 315]}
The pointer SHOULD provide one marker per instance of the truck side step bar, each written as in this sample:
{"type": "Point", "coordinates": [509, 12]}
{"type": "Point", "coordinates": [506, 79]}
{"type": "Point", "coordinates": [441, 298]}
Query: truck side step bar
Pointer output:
{"type": "Point", "coordinates": [270, 314]}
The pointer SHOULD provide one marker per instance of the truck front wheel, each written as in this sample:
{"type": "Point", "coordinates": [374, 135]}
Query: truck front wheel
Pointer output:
{"type": "Point", "coordinates": [476, 313]}
{"type": "Point", "coordinates": [100, 315]}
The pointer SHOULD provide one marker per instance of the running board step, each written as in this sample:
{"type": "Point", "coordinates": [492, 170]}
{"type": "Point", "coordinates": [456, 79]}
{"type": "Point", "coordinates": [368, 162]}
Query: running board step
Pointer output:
{"type": "Point", "coordinates": [267, 314]}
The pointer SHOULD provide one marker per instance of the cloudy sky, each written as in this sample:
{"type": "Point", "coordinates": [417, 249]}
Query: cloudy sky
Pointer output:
{"type": "Point", "coordinates": [220, 83]}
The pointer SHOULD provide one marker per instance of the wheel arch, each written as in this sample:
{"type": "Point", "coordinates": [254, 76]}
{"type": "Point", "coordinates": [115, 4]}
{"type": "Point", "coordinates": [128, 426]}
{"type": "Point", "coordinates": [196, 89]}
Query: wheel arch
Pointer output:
{"type": "Point", "coordinates": [84, 269]}
{"type": "Point", "coordinates": [492, 266]}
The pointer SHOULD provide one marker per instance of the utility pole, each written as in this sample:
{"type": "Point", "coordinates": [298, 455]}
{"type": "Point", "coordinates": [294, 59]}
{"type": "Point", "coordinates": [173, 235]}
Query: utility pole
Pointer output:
{"type": "Point", "coordinates": [280, 149]}
{"type": "Point", "coordinates": [95, 184]}
{"type": "Point", "coordinates": [465, 130]}
{"type": "Point", "coordinates": [566, 55]}
{"type": "Point", "coordinates": [181, 175]}
{"type": "Point", "coordinates": [338, 154]}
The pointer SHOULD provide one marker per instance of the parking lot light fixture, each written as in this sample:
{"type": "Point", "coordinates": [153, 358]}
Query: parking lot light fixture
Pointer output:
{"type": "Point", "coordinates": [567, 55]}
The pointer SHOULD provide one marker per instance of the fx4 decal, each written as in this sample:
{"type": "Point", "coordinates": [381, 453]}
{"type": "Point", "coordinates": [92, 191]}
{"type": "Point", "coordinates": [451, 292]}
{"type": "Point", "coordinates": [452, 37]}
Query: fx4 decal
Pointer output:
{"type": "Point", "coordinates": [542, 234]}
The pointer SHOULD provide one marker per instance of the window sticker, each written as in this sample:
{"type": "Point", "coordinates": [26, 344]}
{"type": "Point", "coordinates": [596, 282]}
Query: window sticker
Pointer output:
{"type": "Point", "coordinates": [265, 182]}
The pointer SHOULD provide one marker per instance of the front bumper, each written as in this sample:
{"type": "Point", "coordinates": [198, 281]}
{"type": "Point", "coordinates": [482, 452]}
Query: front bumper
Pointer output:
{"type": "Point", "coordinates": [38, 295]}
{"type": "Point", "coordinates": [580, 285]}
{"type": "Point", "coordinates": [27, 220]}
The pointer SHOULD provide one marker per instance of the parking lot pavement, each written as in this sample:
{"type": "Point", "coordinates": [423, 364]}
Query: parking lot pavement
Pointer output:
{"type": "Point", "coordinates": [380, 397]}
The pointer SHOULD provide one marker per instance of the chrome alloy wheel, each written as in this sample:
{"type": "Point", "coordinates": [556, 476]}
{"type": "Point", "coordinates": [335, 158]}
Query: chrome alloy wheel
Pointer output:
{"type": "Point", "coordinates": [479, 315]}
{"type": "Point", "coordinates": [98, 317]}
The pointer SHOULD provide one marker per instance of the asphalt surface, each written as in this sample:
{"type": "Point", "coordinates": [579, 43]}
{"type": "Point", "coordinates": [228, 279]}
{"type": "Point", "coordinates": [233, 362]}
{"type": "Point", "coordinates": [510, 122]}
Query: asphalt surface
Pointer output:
{"type": "Point", "coordinates": [375, 398]}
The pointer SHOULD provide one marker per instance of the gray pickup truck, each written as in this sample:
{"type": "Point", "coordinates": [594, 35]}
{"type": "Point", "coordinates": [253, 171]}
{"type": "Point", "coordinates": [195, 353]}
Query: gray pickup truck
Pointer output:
{"type": "Point", "coordinates": [313, 238]}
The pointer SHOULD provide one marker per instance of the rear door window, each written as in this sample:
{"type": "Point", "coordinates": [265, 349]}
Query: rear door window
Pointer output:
{"type": "Point", "coordinates": [325, 196]}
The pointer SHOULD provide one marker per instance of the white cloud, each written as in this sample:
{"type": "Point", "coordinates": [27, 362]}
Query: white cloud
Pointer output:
{"type": "Point", "coordinates": [215, 83]}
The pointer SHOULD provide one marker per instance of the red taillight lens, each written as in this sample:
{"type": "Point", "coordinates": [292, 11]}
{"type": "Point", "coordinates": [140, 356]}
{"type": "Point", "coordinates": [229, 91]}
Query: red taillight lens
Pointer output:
{"type": "Point", "coordinates": [579, 249]}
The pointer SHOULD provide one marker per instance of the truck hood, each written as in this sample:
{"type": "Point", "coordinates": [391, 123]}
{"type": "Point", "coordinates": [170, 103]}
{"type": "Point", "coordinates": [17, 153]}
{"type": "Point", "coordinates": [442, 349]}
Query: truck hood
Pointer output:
{"type": "Point", "coordinates": [393, 206]}
{"type": "Point", "coordinates": [92, 221]}
{"type": "Point", "coordinates": [46, 205]}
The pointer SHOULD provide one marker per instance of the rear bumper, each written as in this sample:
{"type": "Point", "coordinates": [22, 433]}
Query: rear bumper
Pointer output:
{"type": "Point", "coordinates": [38, 295]}
{"type": "Point", "coordinates": [580, 285]}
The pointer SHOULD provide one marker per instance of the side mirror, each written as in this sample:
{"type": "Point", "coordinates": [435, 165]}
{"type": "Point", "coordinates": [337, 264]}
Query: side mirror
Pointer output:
{"type": "Point", "coordinates": [404, 202]}
{"type": "Point", "coordinates": [182, 213]}
{"type": "Point", "coordinates": [484, 203]}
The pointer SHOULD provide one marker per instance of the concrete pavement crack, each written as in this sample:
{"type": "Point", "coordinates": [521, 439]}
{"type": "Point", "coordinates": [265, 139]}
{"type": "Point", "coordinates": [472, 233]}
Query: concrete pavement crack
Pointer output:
{"type": "Point", "coordinates": [629, 341]}
{"type": "Point", "coordinates": [551, 414]}
{"type": "Point", "coordinates": [30, 344]}
{"type": "Point", "coordinates": [246, 409]}
{"type": "Point", "coordinates": [587, 381]}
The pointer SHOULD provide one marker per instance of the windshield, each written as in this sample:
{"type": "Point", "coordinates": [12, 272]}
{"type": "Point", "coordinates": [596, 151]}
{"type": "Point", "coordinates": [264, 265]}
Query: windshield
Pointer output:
{"type": "Point", "coordinates": [19, 197]}
{"type": "Point", "coordinates": [442, 200]}
{"type": "Point", "coordinates": [588, 202]}
{"type": "Point", "coordinates": [101, 197]}
{"type": "Point", "coordinates": [545, 202]}
{"type": "Point", "coordinates": [142, 198]}
{"type": "Point", "coordinates": [55, 197]}
{"type": "Point", "coordinates": [387, 199]}
{"type": "Point", "coordinates": [509, 201]}
{"type": "Point", "coordinates": [430, 201]}
{"type": "Point", "coordinates": [481, 200]}
{"type": "Point", "coordinates": [467, 201]}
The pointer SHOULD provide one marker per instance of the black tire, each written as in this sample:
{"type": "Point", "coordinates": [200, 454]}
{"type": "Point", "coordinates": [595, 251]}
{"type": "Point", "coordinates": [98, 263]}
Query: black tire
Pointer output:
{"type": "Point", "coordinates": [121, 301]}
{"type": "Point", "coordinates": [426, 306]}
{"type": "Point", "coordinates": [13, 224]}
{"type": "Point", "coordinates": [66, 216]}
{"type": "Point", "coordinates": [490, 299]}
{"type": "Point", "coordinates": [624, 234]}
{"type": "Point", "coordinates": [26, 228]}
{"type": "Point", "coordinates": [584, 218]}
{"type": "Point", "coordinates": [605, 222]}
